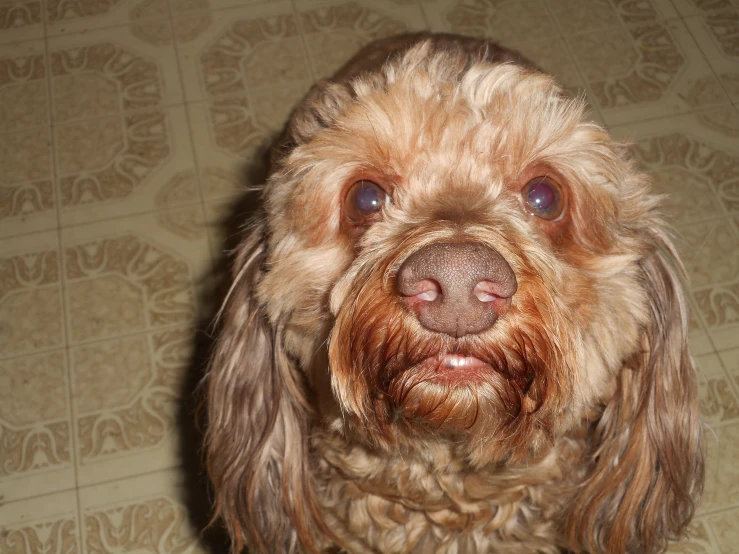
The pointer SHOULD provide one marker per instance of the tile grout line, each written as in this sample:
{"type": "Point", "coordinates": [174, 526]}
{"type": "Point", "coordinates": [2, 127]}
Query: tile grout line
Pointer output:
{"type": "Point", "coordinates": [193, 149]}
{"type": "Point", "coordinates": [580, 73]}
{"type": "Point", "coordinates": [702, 18]}
{"type": "Point", "coordinates": [62, 282]}
{"type": "Point", "coordinates": [304, 42]}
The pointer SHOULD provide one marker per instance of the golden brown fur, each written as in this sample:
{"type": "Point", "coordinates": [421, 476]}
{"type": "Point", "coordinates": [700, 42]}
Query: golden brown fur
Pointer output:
{"type": "Point", "coordinates": [324, 431]}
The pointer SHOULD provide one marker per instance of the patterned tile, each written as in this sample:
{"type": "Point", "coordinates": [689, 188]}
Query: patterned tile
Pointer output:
{"type": "Point", "coordinates": [715, 266]}
{"type": "Point", "coordinates": [334, 31]}
{"type": "Point", "coordinates": [246, 69]}
{"type": "Point", "coordinates": [573, 16]}
{"type": "Point", "coordinates": [644, 71]}
{"type": "Point", "coordinates": [730, 360]}
{"type": "Point", "coordinates": [700, 342]}
{"type": "Point", "coordinates": [27, 199]}
{"type": "Point", "coordinates": [235, 52]}
{"type": "Point", "coordinates": [717, 34]}
{"type": "Point", "coordinates": [699, 540]}
{"type": "Point", "coordinates": [126, 396]}
{"type": "Point", "coordinates": [35, 426]}
{"type": "Point", "coordinates": [27, 202]}
{"type": "Point", "coordinates": [31, 315]}
{"type": "Point", "coordinates": [104, 72]}
{"type": "Point", "coordinates": [131, 288]}
{"type": "Point", "coordinates": [142, 514]}
{"type": "Point", "coordinates": [45, 524]}
{"type": "Point", "coordinates": [694, 159]}
{"type": "Point", "coordinates": [504, 21]}
{"type": "Point", "coordinates": [702, 7]}
{"type": "Point", "coordinates": [719, 403]}
{"type": "Point", "coordinates": [123, 164]}
{"type": "Point", "coordinates": [726, 530]}
{"type": "Point", "coordinates": [722, 473]}
{"type": "Point", "coordinates": [71, 16]}
{"type": "Point", "coordinates": [23, 85]}
{"type": "Point", "coordinates": [21, 20]}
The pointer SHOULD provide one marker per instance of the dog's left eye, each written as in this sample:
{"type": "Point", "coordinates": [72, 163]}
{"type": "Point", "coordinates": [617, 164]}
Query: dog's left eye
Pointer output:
{"type": "Point", "coordinates": [365, 198]}
{"type": "Point", "coordinates": [542, 198]}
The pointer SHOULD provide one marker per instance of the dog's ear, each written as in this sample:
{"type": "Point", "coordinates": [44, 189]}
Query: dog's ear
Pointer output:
{"type": "Point", "coordinates": [257, 421]}
{"type": "Point", "coordinates": [647, 468]}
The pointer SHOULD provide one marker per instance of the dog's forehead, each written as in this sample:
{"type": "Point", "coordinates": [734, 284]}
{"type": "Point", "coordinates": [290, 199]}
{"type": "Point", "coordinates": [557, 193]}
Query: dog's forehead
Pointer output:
{"type": "Point", "coordinates": [423, 130]}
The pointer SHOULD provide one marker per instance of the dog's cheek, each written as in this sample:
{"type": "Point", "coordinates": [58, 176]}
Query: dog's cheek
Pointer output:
{"type": "Point", "coordinates": [295, 288]}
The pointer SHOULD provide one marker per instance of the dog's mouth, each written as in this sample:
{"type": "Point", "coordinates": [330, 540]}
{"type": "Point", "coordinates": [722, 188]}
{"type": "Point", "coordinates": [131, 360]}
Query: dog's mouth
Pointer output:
{"type": "Point", "coordinates": [455, 368]}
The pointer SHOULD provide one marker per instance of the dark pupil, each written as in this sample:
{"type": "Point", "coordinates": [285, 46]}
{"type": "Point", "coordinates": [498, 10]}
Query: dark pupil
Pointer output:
{"type": "Point", "coordinates": [540, 196]}
{"type": "Point", "coordinates": [369, 199]}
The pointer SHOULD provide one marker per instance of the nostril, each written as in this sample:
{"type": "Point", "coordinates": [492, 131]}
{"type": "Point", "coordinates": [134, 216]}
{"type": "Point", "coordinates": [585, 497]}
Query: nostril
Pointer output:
{"type": "Point", "coordinates": [426, 290]}
{"type": "Point", "coordinates": [485, 291]}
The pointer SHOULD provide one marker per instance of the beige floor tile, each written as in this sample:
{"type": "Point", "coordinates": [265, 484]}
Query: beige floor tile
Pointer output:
{"type": "Point", "coordinates": [184, 6]}
{"type": "Point", "coordinates": [24, 99]}
{"type": "Point", "coordinates": [134, 274]}
{"type": "Point", "coordinates": [644, 71]}
{"type": "Point", "coordinates": [700, 7]}
{"type": "Point", "coordinates": [574, 16]}
{"type": "Point", "coordinates": [700, 341]}
{"type": "Point", "coordinates": [722, 473]}
{"type": "Point", "coordinates": [719, 403]}
{"type": "Point", "coordinates": [506, 21]}
{"type": "Point", "coordinates": [131, 288]}
{"type": "Point", "coordinates": [717, 34]}
{"type": "Point", "coordinates": [71, 16]}
{"type": "Point", "coordinates": [27, 198]}
{"type": "Point", "coordinates": [699, 540]}
{"type": "Point", "coordinates": [692, 159]}
{"type": "Point", "coordinates": [21, 21]}
{"type": "Point", "coordinates": [31, 314]}
{"type": "Point", "coordinates": [36, 454]}
{"type": "Point", "coordinates": [237, 52]}
{"type": "Point", "coordinates": [107, 71]}
{"type": "Point", "coordinates": [142, 514]}
{"type": "Point", "coordinates": [124, 163]}
{"type": "Point", "coordinates": [230, 140]}
{"type": "Point", "coordinates": [726, 530]}
{"type": "Point", "coordinates": [43, 524]}
{"type": "Point", "coordinates": [335, 30]}
{"type": "Point", "coordinates": [27, 202]}
{"type": "Point", "coordinates": [126, 393]}
{"type": "Point", "coordinates": [730, 360]}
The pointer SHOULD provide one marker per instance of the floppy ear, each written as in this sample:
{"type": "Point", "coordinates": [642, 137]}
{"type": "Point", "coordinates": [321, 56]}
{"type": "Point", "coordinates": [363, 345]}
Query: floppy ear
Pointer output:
{"type": "Point", "coordinates": [257, 421]}
{"type": "Point", "coordinates": [647, 468]}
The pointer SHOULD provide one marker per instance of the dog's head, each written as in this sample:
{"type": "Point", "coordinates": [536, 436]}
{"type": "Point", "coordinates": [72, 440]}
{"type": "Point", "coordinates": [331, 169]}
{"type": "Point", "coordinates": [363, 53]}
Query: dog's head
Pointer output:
{"type": "Point", "coordinates": [488, 269]}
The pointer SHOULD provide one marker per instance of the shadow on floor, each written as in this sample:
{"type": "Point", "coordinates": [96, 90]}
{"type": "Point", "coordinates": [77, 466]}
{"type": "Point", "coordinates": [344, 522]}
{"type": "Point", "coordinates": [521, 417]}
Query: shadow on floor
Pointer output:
{"type": "Point", "coordinates": [191, 424]}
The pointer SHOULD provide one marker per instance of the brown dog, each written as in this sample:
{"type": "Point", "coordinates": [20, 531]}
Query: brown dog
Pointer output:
{"type": "Point", "coordinates": [457, 326]}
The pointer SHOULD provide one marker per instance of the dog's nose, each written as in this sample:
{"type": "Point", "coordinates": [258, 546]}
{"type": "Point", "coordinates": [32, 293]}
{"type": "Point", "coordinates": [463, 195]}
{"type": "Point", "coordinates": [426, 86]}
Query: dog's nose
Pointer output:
{"type": "Point", "coordinates": [456, 288]}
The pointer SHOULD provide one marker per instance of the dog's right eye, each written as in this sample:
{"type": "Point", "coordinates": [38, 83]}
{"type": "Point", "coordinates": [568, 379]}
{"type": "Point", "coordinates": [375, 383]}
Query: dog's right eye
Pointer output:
{"type": "Point", "coordinates": [365, 198]}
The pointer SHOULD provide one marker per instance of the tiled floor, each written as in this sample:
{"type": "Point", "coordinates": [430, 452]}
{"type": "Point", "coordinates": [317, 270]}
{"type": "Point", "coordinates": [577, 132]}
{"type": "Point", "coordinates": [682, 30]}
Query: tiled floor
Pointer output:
{"type": "Point", "coordinates": [125, 127]}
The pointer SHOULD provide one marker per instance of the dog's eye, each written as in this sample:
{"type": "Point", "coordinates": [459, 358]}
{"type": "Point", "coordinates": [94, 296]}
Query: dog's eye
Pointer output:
{"type": "Point", "coordinates": [542, 198]}
{"type": "Point", "coordinates": [365, 198]}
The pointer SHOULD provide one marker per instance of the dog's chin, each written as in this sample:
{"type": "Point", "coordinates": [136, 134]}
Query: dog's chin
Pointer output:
{"type": "Point", "coordinates": [460, 393]}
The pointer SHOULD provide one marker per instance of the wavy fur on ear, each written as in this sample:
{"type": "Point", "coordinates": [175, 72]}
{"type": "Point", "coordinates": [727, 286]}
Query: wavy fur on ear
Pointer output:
{"type": "Point", "coordinates": [256, 442]}
{"type": "Point", "coordinates": [648, 466]}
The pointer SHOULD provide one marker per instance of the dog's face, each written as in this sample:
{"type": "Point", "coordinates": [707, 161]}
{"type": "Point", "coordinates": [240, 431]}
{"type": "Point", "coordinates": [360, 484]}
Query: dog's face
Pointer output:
{"type": "Point", "coordinates": [489, 272]}
{"type": "Point", "coordinates": [473, 250]}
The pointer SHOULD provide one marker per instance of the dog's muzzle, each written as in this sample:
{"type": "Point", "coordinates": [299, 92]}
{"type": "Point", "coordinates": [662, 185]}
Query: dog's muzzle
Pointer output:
{"type": "Point", "coordinates": [456, 288]}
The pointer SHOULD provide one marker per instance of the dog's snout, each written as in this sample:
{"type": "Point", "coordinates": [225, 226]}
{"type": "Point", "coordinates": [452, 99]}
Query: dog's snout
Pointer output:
{"type": "Point", "coordinates": [457, 288]}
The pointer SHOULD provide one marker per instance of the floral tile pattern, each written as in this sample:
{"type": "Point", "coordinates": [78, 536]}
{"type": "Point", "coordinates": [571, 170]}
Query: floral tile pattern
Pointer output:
{"type": "Point", "coordinates": [129, 129]}
{"type": "Point", "coordinates": [42, 524]}
{"type": "Point", "coordinates": [142, 514]}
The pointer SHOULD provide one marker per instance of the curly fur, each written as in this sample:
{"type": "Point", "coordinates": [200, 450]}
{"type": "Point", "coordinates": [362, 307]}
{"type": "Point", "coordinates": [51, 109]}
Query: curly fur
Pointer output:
{"type": "Point", "coordinates": [325, 436]}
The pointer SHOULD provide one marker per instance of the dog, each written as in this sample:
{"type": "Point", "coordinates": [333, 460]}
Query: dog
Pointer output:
{"type": "Point", "coordinates": [457, 324]}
